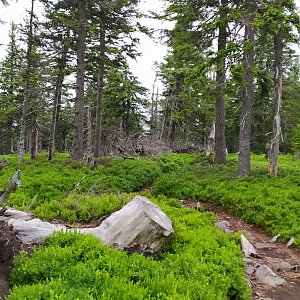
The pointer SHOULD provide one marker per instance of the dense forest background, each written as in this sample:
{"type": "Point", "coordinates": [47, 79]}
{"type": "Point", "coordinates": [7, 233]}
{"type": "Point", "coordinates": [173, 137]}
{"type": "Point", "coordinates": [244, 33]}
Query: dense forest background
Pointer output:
{"type": "Point", "coordinates": [231, 81]}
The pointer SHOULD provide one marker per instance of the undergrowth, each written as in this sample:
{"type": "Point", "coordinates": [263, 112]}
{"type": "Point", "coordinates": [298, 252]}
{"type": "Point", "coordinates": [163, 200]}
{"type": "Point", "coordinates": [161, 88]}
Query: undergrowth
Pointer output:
{"type": "Point", "coordinates": [270, 202]}
{"type": "Point", "coordinates": [199, 262]}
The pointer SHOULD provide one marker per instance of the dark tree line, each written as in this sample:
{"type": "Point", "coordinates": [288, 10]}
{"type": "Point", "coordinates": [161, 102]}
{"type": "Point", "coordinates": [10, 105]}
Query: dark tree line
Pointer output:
{"type": "Point", "coordinates": [231, 80]}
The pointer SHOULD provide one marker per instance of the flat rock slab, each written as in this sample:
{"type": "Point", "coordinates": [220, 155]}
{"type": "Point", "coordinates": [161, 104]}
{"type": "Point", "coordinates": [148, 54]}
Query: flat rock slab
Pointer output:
{"type": "Point", "coordinates": [224, 225]}
{"type": "Point", "coordinates": [266, 276]}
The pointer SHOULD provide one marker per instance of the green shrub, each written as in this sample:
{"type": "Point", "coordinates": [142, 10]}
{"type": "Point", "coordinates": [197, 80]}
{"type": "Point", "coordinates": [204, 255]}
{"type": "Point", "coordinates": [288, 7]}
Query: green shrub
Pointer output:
{"type": "Point", "coordinates": [261, 199]}
{"type": "Point", "coordinates": [47, 183]}
{"type": "Point", "coordinates": [204, 264]}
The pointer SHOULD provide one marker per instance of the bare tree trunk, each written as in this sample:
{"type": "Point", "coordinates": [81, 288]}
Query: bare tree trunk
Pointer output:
{"type": "Point", "coordinates": [276, 129]}
{"type": "Point", "coordinates": [79, 101]}
{"type": "Point", "coordinates": [57, 99]}
{"type": "Point", "coordinates": [100, 88]}
{"type": "Point", "coordinates": [27, 95]}
{"type": "Point", "coordinates": [14, 184]}
{"type": "Point", "coordinates": [155, 115]}
{"type": "Point", "coordinates": [3, 164]}
{"type": "Point", "coordinates": [89, 144]}
{"type": "Point", "coordinates": [247, 95]}
{"type": "Point", "coordinates": [34, 136]}
{"type": "Point", "coordinates": [220, 144]}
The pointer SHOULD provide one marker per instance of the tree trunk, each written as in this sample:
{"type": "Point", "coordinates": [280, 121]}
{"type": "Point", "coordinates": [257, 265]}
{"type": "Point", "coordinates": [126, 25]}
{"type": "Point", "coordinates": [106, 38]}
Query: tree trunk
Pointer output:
{"type": "Point", "coordinates": [14, 184]}
{"type": "Point", "coordinates": [34, 135]}
{"type": "Point", "coordinates": [3, 164]}
{"type": "Point", "coordinates": [100, 88]}
{"type": "Point", "coordinates": [89, 144]}
{"type": "Point", "coordinates": [247, 95]}
{"type": "Point", "coordinates": [79, 101]}
{"type": "Point", "coordinates": [276, 129]}
{"type": "Point", "coordinates": [57, 99]}
{"type": "Point", "coordinates": [220, 144]}
{"type": "Point", "coordinates": [27, 95]}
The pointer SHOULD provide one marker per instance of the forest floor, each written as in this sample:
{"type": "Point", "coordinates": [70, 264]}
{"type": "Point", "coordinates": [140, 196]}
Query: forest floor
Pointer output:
{"type": "Point", "coordinates": [270, 254]}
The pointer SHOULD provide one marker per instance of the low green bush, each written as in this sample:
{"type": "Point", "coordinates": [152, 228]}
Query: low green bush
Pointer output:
{"type": "Point", "coordinates": [47, 184]}
{"type": "Point", "coordinates": [268, 201]}
{"type": "Point", "coordinates": [77, 207]}
{"type": "Point", "coordinates": [198, 262]}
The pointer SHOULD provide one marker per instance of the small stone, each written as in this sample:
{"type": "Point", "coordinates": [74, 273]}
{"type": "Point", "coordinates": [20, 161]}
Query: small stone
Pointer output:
{"type": "Point", "coordinates": [274, 238]}
{"type": "Point", "coordinates": [290, 242]}
{"type": "Point", "coordinates": [250, 270]}
{"type": "Point", "coordinates": [284, 266]}
{"type": "Point", "coordinates": [266, 276]}
{"type": "Point", "coordinates": [247, 260]}
{"type": "Point", "coordinates": [223, 225]}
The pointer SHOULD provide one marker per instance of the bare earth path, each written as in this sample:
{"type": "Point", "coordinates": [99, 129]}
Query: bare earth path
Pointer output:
{"type": "Point", "coordinates": [271, 254]}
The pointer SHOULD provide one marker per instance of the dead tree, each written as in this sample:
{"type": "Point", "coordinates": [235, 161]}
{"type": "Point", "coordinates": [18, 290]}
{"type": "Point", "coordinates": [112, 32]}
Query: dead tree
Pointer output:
{"type": "Point", "coordinates": [12, 186]}
{"type": "Point", "coordinates": [3, 164]}
{"type": "Point", "coordinates": [276, 129]}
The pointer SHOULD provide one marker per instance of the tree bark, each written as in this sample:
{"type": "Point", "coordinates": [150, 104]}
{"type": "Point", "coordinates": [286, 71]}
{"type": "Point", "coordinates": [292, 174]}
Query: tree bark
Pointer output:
{"type": "Point", "coordinates": [57, 98]}
{"type": "Point", "coordinates": [3, 164]}
{"type": "Point", "coordinates": [247, 95]}
{"type": "Point", "coordinates": [89, 144]}
{"type": "Point", "coordinates": [100, 88]}
{"type": "Point", "coordinates": [276, 128]}
{"type": "Point", "coordinates": [79, 101]}
{"type": "Point", "coordinates": [220, 143]}
{"type": "Point", "coordinates": [27, 95]}
{"type": "Point", "coordinates": [34, 135]}
{"type": "Point", "coordinates": [14, 184]}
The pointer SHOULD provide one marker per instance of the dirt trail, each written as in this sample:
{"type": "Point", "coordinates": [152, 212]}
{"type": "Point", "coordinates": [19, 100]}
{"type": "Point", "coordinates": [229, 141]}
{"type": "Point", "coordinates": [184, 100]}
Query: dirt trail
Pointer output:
{"type": "Point", "coordinates": [271, 254]}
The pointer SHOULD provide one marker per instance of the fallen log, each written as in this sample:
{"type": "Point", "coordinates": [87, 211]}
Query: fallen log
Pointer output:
{"type": "Point", "coordinates": [140, 226]}
{"type": "Point", "coordinates": [14, 184]}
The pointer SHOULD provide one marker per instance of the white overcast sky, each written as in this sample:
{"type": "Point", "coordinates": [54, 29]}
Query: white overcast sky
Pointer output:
{"type": "Point", "coordinates": [144, 66]}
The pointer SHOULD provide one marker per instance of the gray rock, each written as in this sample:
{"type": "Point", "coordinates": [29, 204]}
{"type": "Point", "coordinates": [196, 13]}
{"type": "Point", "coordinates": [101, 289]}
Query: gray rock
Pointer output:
{"type": "Point", "coordinates": [274, 238]}
{"type": "Point", "coordinates": [290, 242]}
{"type": "Point", "coordinates": [224, 225]}
{"type": "Point", "coordinates": [266, 276]}
{"type": "Point", "coordinates": [247, 247]}
{"type": "Point", "coordinates": [284, 266]}
{"type": "Point", "coordinates": [250, 270]}
{"type": "Point", "coordinates": [248, 260]}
